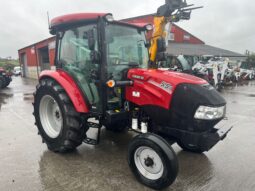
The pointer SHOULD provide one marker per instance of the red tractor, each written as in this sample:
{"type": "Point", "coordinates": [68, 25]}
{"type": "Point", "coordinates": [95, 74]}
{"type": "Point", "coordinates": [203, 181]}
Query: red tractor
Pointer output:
{"type": "Point", "coordinates": [103, 74]}
{"type": "Point", "coordinates": [5, 78]}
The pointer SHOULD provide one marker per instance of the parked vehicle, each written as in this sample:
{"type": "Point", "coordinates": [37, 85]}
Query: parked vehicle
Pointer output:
{"type": "Point", "coordinates": [218, 70]}
{"type": "Point", "coordinates": [182, 64]}
{"type": "Point", "coordinates": [103, 74]}
{"type": "Point", "coordinates": [5, 78]}
{"type": "Point", "coordinates": [17, 71]}
{"type": "Point", "coordinates": [176, 63]}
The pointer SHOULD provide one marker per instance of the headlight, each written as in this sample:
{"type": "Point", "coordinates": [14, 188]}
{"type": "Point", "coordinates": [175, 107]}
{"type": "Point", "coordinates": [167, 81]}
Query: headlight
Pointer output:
{"type": "Point", "coordinates": [210, 113]}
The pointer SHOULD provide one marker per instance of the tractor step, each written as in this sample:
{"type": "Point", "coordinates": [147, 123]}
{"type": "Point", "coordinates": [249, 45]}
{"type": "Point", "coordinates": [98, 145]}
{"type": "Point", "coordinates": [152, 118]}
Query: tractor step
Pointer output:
{"type": "Point", "coordinates": [90, 141]}
{"type": "Point", "coordinates": [93, 141]}
{"type": "Point", "coordinates": [94, 125]}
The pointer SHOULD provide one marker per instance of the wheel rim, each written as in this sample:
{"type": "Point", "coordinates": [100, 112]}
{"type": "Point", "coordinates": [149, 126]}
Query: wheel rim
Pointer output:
{"type": "Point", "coordinates": [50, 116]}
{"type": "Point", "coordinates": [149, 163]}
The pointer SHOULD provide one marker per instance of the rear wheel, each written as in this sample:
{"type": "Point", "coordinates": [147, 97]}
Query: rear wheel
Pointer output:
{"type": "Point", "coordinates": [153, 161]}
{"type": "Point", "coordinates": [6, 83]}
{"type": "Point", "coordinates": [1, 82]}
{"type": "Point", "coordinates": [60, 126]}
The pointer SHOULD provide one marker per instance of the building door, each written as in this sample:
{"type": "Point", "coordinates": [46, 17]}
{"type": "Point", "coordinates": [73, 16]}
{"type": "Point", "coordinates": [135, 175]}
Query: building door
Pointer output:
{"type": "Point", "coordinates": [24, 65]}
{"type": "Point", "coordinates": [44, 59]}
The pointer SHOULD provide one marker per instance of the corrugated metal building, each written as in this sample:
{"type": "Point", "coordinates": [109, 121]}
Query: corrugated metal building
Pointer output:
{"type": "Point", "coordinates": [40, 56]}
{"type": "Point", "coordinates": [37, 57]}
{"type": "Point", "coordinates": [177, 35]}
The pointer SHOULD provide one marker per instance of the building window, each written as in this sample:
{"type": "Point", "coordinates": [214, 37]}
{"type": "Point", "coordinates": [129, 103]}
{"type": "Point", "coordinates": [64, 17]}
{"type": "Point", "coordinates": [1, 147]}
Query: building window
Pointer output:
{"type": "Point", "coordinates": [171, 37]}
{"type": "Point", "coordinates": [186, 37]}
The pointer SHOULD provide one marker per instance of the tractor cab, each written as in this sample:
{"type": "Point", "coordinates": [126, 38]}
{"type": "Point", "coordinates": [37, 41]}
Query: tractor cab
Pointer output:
{"type": "Point", "coordinates": [94, 49]}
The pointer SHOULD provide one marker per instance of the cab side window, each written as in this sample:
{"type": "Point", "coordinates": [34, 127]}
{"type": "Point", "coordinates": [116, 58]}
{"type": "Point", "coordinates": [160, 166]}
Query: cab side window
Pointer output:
{"type": "Point", "coordinates": [74, 56]}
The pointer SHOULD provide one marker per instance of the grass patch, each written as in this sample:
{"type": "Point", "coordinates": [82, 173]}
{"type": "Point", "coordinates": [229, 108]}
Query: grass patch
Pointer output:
{"type": "Point", "coordinates": [8, 64]}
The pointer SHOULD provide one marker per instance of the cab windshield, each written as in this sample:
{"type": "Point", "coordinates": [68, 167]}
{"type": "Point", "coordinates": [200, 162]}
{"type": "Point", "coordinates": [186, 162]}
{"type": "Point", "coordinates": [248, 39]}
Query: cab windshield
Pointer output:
{"type": "Point", "coordinates": [126, 47]}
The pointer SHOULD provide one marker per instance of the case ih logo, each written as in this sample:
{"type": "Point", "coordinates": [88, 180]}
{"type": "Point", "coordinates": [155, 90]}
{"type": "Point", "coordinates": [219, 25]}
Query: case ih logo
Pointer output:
{"type": "Point", "coordinates": [166, 86]}
{"type": "Point", "coordinates": [138, 77]}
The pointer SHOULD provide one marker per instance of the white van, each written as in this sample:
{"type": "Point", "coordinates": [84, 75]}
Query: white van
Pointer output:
{"type": "Point", "coordinates": [17, 71]}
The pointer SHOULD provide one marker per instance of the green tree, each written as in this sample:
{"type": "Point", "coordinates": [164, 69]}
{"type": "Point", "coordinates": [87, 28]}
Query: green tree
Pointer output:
{"type": "Point", "coordinates": [8, 64]}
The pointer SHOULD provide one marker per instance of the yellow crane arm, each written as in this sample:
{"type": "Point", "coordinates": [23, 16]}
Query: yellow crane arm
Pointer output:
{"type": "Point", "coordinates": [159, 32]}
{"type": "Point", "coordinates": [165, 15]}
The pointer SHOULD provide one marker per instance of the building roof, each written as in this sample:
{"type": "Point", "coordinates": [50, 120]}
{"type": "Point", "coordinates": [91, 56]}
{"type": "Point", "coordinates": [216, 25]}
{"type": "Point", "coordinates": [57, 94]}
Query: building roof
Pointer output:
{"type": "Point", "coordinates": [149, 19]}
{"type": "Point", "coordinates": [199, 50]}
{"type": "Point", "coordinates": [37, 43]}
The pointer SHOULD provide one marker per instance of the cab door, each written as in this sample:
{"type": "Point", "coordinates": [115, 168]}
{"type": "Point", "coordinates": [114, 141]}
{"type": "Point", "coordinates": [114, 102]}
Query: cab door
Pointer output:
{"type": "Point", "coordinates": [74, 57]}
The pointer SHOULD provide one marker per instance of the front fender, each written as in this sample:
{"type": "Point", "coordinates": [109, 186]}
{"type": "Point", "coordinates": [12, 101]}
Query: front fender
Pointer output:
{"type": "Point", "coordinates": [71, 88]}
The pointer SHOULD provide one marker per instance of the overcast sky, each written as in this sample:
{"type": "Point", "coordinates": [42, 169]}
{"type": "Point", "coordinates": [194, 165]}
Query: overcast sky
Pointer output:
{"type": "Point", "coordinates": [225, 24]}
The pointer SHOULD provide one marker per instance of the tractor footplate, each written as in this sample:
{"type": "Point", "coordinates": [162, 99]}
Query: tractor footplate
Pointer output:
{"type": "Point", "coordinates": [91, 141]}
{"type": "Point", "coordinates": [94, 125]}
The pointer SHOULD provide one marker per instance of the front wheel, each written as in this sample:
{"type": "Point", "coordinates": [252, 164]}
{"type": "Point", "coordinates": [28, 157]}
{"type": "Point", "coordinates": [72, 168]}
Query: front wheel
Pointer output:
{"type": "Point", "coordinates": [152, 161]}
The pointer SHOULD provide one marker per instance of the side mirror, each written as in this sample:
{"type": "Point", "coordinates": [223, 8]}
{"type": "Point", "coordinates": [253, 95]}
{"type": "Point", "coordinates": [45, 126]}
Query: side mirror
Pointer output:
{"type": "Point", "coordinates": [161, 43]}
{"type": "Point", "coordinates": [90, 35]}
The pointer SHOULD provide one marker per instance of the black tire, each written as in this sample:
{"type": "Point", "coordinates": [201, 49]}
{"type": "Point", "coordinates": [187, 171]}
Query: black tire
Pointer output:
{"type": "Point", "coordinates": [218, 87]}
{"type": "Point", "coordinates": [117, 127]}
{"type": "Point", "coordinates": [6, 83]}
{"type": "Point", "coordinates": [73, 129]}
{"type": "Point", "coordinates": [165, 153]}
{"type": "Point", "coordinates": [1, 82]}
{"type": "Point", "coordinates": [192, 149]}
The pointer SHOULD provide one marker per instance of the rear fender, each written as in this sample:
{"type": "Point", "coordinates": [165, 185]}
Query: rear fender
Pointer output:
{"type": "Point", "coordinates": [71, 88]}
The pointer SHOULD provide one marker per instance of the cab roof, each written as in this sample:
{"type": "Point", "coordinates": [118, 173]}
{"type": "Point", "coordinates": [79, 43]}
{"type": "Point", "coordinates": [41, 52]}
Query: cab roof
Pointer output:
{"type": "Point", "coordinates": [65, 20]}
{"type": "Point", "coordinates": [76, 17]}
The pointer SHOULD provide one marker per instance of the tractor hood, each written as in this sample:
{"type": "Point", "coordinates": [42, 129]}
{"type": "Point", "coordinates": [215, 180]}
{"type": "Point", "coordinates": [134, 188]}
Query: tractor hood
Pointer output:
{"type": "Point", "coordinates": [159, 76]}
{"type": "Point", "coordinates": [156, 87]}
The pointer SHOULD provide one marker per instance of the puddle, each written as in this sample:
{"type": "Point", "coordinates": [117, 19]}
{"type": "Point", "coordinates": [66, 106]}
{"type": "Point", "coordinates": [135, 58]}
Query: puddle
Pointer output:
{"type": "Point", "coordinates": [3, 98]}
{"type": "Point", "coordinates": [251, 95]}
{"type": "Point", "coordinates": [28, 96]}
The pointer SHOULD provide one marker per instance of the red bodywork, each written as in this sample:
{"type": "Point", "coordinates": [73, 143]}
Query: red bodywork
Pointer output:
{"type": "Point", "coordinates": [4, 71]}
{"type": "Point", "coordinates": [70, 86]}
{"type": "Point", "coordinates": [147, 88]}
{"type": "Point", "coordinates": [151, 87]}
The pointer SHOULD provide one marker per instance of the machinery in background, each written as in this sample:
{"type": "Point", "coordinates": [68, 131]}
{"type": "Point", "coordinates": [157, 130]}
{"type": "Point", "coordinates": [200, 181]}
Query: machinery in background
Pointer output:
{"type": "Point", "coordinates": [5, 78]}
{"type": "Point", "coordinates": [218, 71]}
